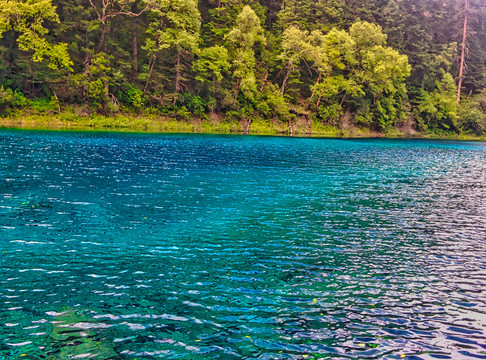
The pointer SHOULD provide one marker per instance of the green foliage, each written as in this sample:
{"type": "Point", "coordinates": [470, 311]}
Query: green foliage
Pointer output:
{"type": "Point", "coordinates": [272, 104]}
{"type": "Point", "coordinates": [243, 39]}
{"type": "Point", "coordinates": [96, 81]}
{"type": "Point", "coordinates": [295, 48]}
{"type": "Point", "coordinates": [183, 113]}
{"type": "Point", "coordinates": [364, 115]}
{"type": "Point", "coordinates": [174, 27]}
{"type": "Point", "coordinates": [11, 99]}
{"type": "Point", "coordinates": [438, 109]}
{"type": "Point", "coordinates": [385, 113]}
{"type": "Point", "coordinates": [132, 96]}
{"type": "Point", "coordinates": [356, 65]}
{"type": "Point", "coordinates": [472, 115]}
{"type": "Point", "coordinates": [294, 45]}
{"type": "Point", "coordinates": [223, 14]}
{"type": "Point", "coordinates": [194, 104]}
{"type": "Point", "coordinates": [330, 114]}
{"type": "Point", "coordinates": [311, 14]}
{"type": "Point", "coordinates": [45, 105]}
{"type": "Point", "coordinates": [471, 119]}
{"type": "Point", "coordinates": [212, 64]}
{"type": "Point", "coordinates": [384, 70]}
{"type": "Point", "coordinates": [367, 36]}
{"type": "Point", "coordinates": [342, 63]}
{"type": "Point", "coordinates": [247, 30]}
{"type": "Point", "coordinates": [27, 17]}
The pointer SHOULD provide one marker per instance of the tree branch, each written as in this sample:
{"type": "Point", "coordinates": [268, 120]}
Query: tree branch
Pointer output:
{"type": "Point", "coordinates": [96, 10]}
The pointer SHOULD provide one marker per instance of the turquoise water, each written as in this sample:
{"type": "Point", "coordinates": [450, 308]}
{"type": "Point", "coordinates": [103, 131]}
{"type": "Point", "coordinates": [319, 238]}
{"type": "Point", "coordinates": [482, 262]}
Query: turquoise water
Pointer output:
{"type": "Point", "coordinates": [118, 246]}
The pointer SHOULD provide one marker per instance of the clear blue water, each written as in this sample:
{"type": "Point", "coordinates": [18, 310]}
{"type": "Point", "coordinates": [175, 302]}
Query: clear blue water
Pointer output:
{"type": "Point", "coordinates": [130, 246]}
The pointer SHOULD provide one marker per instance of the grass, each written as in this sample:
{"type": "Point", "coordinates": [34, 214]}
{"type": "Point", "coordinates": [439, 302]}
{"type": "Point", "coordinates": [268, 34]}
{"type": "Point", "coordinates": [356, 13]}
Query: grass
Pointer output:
{"type": "Point", "coordinates": [73, 119]}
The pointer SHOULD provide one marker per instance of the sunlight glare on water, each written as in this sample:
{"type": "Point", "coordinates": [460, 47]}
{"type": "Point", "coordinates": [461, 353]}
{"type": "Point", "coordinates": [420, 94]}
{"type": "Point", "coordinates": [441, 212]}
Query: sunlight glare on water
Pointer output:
{"type": "Point", "coordinates": [119, 246]}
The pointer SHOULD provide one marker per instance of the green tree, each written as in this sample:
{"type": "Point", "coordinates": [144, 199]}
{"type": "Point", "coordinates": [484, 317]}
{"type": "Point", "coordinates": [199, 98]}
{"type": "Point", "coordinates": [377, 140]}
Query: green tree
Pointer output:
{"type": "Point", "coordinates": [381, 71]}
{"type": "Point", "coordinates": [222, 15]}
{"type": "Point", "coordinates": [311, 14]}
{"type": "Point", "coordinates": [106, 10]}
{"type": "Point", "coordinates": [97, 81]}
{"type": "Point", "coordinates": [210, 67]}
{"type": "Point", "coordinates": [333, 56]}
{"type": "Point", "coordinates": [472, 114]}
{"type": "Point", "coordinates": [174, 27]}
{"type": "Point", "coordinates": [438, 109]}
{"type": "Point", "coordinates": [295, 46]}
{"type": "Point", "coordinates": [27, 18]}
{"type": "Point", "coordinates": [243, 39]}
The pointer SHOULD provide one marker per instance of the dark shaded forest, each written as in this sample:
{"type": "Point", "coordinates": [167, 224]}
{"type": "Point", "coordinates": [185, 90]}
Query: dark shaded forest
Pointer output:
{"type": "Point", "coordinates": [413, 65]}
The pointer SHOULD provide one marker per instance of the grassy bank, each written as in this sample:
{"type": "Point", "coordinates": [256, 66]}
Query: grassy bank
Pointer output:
{"type": "Point", "coordinates": [216, 125]}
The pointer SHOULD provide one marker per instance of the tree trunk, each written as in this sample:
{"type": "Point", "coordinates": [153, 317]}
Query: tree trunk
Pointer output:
{"type": "Point", "coordinates": [104, 28]}
{"type": "Point", "coordinates": [264, 82]}
{"type": "Point", "coordinates": [247, 127]}
{"type": "Point", "coordinates": [313, 92]}
{"type": "Point", "coordinates": [463, 51]}
{"type": "Point", "coordinates": [282, 89]}
{"type": "Point", "coordinates": [342, 100]}
{"type": "Point", "coordinates": [237, 87]}
{"type": "Point", "coordinates": [319, 100]}
{"type": "Point", "coordinates": [135, 50]}
{"type": "Point", "coordinates": [151, 69]}
{"type": "Point", "coordinates": [178, 78]}
{"type": "Point", "coordinates": [270, 15]}
{"type": "Point", "coordinates": [308, 127]}
{"type": "Point", "coordinates": [376, 98]}
{"type": "Point", "coordinates": [322, 91]}
{"type": "Point", "coordinates": [86, 63]}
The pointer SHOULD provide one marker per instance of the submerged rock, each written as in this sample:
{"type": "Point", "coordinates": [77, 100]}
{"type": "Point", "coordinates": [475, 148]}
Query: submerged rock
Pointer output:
{"type": "Point", "coordinates": [76, 336]}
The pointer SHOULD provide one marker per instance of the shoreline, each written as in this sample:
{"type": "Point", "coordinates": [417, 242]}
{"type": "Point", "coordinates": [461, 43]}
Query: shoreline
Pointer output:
{"type": "Point", "coordinates": [129, 123]}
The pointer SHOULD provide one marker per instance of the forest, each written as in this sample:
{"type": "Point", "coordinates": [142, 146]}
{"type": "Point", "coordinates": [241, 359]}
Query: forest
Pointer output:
{"type": "Point", "coordinates": [415, 66]}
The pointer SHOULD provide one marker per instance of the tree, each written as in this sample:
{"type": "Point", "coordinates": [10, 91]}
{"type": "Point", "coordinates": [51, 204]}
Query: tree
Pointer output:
{"type": "Point", "coordinates": [108, 9]}
{"type": "Point", "coordinates": [463, 50]}
{"type": "Point", "coordinates": [211, 66]}
{"type": "Point", "coordinates": [27, 18]}
{"type": "Point", "coordinates": [174, 26]}
{"type": "Point", "coordinates": [438, 109]}
{"type": "Point", "coordinates": [295, 45]}
{"type": "Point", "coordinates": [311, 14]}
{"type": "Point", "coordinates": [472, 114]}
{"type": "Point", "coordinates": [381, 71]}
{"type": "Point", "coordinates": [333, 55]}
{"type": "Point", "coordinates": [243, 39]}
{"type": "Point", "coordinates": [276, 59]}
{"type": "Point", "coordinates": [96, 81]}
{"type": "Point", "coordinates": [222, 16]}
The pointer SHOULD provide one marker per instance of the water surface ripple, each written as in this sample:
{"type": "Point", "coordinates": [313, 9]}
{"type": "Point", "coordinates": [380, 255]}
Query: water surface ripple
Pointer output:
{"type": "Point", "coordinates": [117, 246]}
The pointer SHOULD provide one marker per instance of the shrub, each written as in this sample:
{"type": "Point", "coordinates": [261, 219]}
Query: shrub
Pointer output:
{"type": "Point", "coordinates": [438, 109]}
{"type": "Point", "coordinates": [11, 99]}
{"type": "Point", "coordinates": [194, 104]}
{"type": "Point", "coordinates": [132, 96]}
{"type": "Point", "coordinates": [472, 117]}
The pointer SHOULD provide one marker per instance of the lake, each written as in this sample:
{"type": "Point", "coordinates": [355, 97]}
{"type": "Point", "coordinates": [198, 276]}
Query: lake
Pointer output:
{"type": "Point", "coordinates": [136, 246]}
